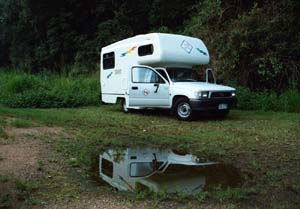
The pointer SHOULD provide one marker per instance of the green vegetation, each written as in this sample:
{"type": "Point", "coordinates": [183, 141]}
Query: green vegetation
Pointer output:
{"type": "Point", "coordinates": [287, 101]}
{"type": "Point", "coordinates": [24, 90]}
{"type": "Point", "coordinates": [19, 195]}
{"type": "Point", "coordinates": [230, 193]}
{"type": "Point", "coordinates": [2, 133]}
{"type": "Point", "coordinates": [106, 126]}
{"type": "Point", "coordinates": [253, 43]}
{"type": "Point", "coordinates": [21, 123]}
{"type": "Point", "coordinates": [263, 146]}
{"type": "Point", "coordinates": [44, 91]}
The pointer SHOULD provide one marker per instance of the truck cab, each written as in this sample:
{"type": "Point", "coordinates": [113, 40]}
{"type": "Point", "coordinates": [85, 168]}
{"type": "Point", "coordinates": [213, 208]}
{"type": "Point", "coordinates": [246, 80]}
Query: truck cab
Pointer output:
{"type": "Point", "coordinates": [158, 71]}
{"type": "Point", "coordinates": [193, 92]}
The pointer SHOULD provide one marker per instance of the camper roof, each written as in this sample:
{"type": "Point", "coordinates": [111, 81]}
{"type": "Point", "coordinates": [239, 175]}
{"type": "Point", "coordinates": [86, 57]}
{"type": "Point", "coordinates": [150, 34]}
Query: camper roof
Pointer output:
{"type": "Point", "coordinates": [169, 49]}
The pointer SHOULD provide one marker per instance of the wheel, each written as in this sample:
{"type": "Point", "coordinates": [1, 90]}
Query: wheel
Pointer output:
{"type": "Point", "coordinates": [123, 105]}
{"type": "Point", "coordinates": [182, 109]}
{"type": "Point", "coordinates": [221, 113]}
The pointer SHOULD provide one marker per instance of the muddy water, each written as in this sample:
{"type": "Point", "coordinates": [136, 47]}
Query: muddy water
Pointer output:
{"type": "Point", "coordinates": [161, 170]}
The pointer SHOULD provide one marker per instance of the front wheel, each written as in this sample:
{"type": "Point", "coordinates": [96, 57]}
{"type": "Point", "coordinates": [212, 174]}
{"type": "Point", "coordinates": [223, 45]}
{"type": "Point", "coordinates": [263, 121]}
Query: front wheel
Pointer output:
{"type": "Point", "coordinates": [123, 105]}
{"type": "Point", "coordinates": [182, 109]}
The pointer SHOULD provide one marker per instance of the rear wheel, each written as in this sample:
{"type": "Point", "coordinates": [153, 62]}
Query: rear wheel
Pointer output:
{"type": "Point", "coordinates": [182, 109]}
{"type": "Point", "coordinates": [123, 105]}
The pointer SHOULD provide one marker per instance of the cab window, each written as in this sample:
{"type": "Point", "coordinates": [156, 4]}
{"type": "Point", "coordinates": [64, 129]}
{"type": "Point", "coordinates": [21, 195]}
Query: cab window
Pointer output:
{"type": "Point", "coordinates": [163, 73]}
{"type": "Point", "coordinates": [145, 75]}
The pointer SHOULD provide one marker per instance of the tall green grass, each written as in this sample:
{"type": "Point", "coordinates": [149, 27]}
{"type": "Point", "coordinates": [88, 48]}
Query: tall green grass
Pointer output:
{"type": "Point", "coordinates": [288, 101]}
{"type": "Point", "coordinates": [45, 91]}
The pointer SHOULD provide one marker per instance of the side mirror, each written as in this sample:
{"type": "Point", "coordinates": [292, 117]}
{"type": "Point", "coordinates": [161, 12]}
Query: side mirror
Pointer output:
{"type": "Point", "coordinates": [210, 78]}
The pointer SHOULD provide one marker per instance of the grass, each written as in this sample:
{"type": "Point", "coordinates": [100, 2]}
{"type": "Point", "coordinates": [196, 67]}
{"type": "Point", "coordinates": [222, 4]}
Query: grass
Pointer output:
{"type": "Point", "coordinates": [20, 193]}
{"type": "Point", "coordinates": [287, 101]}
{"type": "Point", "coordinates": [2, 133]}
{"type": "Point", "coordinates": [263, 146]}
{"type": "Point", "coordinates": [21, 123]}
{"type": "Point", "coordinates": [44, 91]}
{"type": "Point", "coordinates": [230, 193]}
{"type": "Point", "coordinates": [54, 91]}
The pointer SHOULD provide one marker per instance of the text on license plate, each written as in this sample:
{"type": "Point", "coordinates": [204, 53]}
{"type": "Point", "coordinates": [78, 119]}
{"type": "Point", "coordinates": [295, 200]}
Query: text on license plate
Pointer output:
{"type": "Point", "coordinates": [223, 106]}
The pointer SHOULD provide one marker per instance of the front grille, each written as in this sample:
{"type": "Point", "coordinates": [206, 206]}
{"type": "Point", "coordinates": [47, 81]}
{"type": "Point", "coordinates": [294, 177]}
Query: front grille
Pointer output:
{"type": "Point", "coordinates": [220, 94]}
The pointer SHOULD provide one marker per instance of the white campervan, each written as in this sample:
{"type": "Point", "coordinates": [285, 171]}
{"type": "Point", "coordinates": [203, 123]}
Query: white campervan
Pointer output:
{"type": "Point", "coordinates": [156, 71]}
{"type": "Point", "coordinates": [153, 169]}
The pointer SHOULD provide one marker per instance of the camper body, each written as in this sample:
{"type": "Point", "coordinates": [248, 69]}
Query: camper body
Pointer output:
{"type": "Point", "coordinates": [154, 169]}
{"type": "Point", "coordinates": [155, 71]}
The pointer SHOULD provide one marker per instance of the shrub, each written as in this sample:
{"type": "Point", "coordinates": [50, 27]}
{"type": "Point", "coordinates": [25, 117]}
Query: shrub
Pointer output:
{"type": "Point", "coordinates": [288, 101]}
{"type": "Point", "coordinates": [45, 91]}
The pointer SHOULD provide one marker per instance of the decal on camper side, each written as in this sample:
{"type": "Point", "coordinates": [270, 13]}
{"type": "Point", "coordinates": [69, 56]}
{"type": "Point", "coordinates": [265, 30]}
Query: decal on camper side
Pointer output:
{"type": "Point", "coordinates": [109, 75]}
{"type": "Point", "coordinates": [118, 71]}
{"type": "Point", "coordinates": [128, 51]}
{"type": "Point", "coordinates": [187, 47]}
{"type": "Point", "coordinates": [202, 52]}
{"type": "Point", "coordinates": [146, 92]}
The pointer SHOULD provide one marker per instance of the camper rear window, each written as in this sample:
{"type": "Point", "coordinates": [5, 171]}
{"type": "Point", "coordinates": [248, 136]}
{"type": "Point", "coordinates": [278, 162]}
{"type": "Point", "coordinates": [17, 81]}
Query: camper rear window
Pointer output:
{"type": "Point", "coordinates": [145, 50]}
{"type": "Point", "coordinates": [108, 60]}
{"type": "Point", "coordinates": [107, 168]}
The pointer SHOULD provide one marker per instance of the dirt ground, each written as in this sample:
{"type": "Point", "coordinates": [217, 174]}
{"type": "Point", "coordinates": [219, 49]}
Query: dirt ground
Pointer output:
{"type": "Point", "coordinates": [26, 156]}
{"type": "Point", "coordinates": [20, 155]}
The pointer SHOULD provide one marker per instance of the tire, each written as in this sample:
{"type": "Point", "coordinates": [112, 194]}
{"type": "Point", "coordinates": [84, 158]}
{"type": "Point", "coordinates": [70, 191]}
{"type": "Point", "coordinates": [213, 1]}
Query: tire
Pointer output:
{"type": "Point", "coordinates": [182, 109]}
{"type": "Point", "coordinates": [123, 106]}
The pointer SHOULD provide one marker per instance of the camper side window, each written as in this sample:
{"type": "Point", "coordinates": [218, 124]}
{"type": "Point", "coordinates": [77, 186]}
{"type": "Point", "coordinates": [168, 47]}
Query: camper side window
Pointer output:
{"type": "Point", "coordinates": [108, 60]}
{"type": "Point", "coordinates": [145, 50]}
{"type": "Point", "coordinates": [107, 167]}
{"type": "Point", "coordinates": [145, 75]}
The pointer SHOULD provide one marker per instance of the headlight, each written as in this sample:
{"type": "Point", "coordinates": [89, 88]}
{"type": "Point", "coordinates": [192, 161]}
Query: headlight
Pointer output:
{"type": "Point", "coordinates": [202, 94]}
{"type": "Point", "coordinates": [233, 94]}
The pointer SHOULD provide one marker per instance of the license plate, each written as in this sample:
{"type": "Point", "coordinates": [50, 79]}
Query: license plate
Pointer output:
{"type": "Point", "coordinates": [223, 106]}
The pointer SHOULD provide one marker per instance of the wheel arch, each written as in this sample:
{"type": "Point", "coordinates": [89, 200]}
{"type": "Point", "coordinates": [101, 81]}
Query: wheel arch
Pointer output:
{"type": "Point", "coordinates": [119, 99]}
{"type": "Point", "coordinates": [176, 97]}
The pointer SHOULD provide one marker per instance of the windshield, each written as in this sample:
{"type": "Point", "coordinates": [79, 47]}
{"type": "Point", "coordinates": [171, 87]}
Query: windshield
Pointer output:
{"type": "Point", "coordinates": [184, 75]}
{"type": "Point", "coordinates": [142, 169]}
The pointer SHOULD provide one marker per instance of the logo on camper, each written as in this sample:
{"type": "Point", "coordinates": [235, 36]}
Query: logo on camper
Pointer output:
{"type": "Point", "coordinates": [128, 52]}
{"type": "Point", "coordinates": [187, 46]}
{"type": "Point", "coordinates": [146, 92]}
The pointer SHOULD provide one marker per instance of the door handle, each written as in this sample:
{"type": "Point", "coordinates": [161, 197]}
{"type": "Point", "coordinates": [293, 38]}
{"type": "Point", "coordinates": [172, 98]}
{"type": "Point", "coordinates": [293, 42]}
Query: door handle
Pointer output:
{"type": "Point", "coordinates": [134, 88]}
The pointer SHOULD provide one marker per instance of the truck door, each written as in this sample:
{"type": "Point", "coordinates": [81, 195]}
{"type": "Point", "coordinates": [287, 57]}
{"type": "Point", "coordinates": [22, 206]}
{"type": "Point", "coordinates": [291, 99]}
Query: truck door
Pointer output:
{"type": "Point", "coordinates": [147, 88]}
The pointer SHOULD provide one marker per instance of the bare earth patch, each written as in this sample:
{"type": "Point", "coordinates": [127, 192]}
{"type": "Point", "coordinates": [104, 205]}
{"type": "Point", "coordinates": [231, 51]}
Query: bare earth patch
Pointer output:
{"type": "Point", "coordinates": [20, 155]}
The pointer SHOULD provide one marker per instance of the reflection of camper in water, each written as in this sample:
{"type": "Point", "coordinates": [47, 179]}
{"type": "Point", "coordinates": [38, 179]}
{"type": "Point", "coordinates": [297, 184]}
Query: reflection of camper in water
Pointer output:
{"type": "Point", "coordinates": [153, 169]}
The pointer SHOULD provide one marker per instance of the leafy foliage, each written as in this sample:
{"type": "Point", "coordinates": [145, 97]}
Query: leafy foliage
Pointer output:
{"type": "Point", "coordinates": [254, 43]}
{"type": "Point", "coordinates": [23, 90]}
{"type": "Point", "coordinates": [288, 101]}
{"type": "Point", "coordinates": [39, 35]}
{"type": "Point", "coordinates": [257, 44]}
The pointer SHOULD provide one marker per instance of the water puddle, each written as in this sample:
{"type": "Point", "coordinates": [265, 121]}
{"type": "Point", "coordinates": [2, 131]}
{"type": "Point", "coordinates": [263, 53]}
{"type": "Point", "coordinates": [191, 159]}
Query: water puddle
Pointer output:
{"type": "Point", "coordinates": [165, 170]}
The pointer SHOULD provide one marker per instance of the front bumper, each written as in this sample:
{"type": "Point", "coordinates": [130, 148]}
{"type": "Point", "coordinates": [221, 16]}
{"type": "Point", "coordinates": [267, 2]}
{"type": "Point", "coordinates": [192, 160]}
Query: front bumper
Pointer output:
{"type": "Point", "coordinates": [212, 103]}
